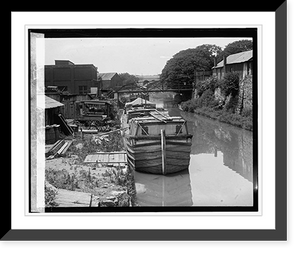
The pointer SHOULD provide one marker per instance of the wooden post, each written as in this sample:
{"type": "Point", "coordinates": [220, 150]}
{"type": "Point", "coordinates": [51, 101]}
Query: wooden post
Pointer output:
{"type": "Point", "coordinates": [81, 132]}
{"type": "Point", "coordinates": [163, 151]}
{"type": "Point", "coordinates": [91, 200]}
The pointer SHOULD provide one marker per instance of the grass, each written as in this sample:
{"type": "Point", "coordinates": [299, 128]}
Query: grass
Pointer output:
{"type": "Point", "coordinates": [93, 143]}
{"type": "Point", "coordinates": [242, 121]}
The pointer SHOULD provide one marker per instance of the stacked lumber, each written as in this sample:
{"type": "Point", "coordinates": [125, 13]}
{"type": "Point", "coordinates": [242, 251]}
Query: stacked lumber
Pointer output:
{"type": "Point", "coordinates": [58, 149]}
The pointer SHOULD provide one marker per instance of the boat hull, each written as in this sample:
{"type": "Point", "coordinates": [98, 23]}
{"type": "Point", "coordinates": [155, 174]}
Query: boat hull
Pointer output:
{"type": "Point", "coordinates": [146, 156]}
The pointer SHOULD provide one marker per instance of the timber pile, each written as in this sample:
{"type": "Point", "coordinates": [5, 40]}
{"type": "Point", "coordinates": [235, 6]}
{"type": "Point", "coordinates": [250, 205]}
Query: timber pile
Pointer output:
{"type": "Point", "coordinates": [59, 148]}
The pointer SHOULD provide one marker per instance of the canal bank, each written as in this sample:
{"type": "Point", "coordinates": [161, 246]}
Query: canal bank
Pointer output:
{"type": "Point", "coordinates": [244, 121]}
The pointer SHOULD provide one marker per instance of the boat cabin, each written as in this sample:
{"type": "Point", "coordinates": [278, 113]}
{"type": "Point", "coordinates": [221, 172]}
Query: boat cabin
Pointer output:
{"type": "Point", "coordinates": [92, 109]}
{"type": "Point", "coordinates": [152, 126]}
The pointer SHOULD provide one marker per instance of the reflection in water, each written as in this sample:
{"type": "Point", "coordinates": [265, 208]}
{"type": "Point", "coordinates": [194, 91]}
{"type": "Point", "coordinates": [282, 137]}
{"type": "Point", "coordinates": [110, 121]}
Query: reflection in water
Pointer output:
{"type": "Point", "coordinates": [235, 144]}
{"type": "Point", "coordinates": [169, 190]}
{"type": "Point", "coordinates": [214, 184]}
{"type": "Point", "coordinates": [220, 171]}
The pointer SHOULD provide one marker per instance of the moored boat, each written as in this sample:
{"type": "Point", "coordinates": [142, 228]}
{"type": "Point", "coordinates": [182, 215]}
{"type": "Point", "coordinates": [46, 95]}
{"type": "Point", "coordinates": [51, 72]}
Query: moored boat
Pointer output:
{"type": "Point", "coordinates": [158, 144]}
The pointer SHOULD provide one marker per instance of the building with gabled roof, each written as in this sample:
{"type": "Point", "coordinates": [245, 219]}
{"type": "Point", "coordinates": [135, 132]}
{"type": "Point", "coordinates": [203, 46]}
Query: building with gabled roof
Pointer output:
{"type": "Point", "coordinates": [110, 81]}
{"type": "Point", "coordinates": [240, 63]}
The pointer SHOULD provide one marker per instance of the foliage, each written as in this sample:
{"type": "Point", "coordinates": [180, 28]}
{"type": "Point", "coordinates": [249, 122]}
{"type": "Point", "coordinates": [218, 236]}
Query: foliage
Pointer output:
{"type": "Point", "coordinates": [224, 116]}
{"type": "Point", "coordinates": [179, 70]}
{"type": "Point", "coordinates": [50, 194]}
{"type": "Point", "coordinates": [189, 105]}
{"type": "Point", "coordinates": [207, 99]}
{"type": "Point", "coordinates": [210, 83]}
{"type": "Point", "coordinates": [79, 180]}
{"type": "Point", "coordinates": [230, 84]}
{"type": "Point", "coordinates": [231, 105]}
{"type": "Point", "coordinates": [128, 78]}
{"type": "Point", "coordinates": [237, 47]}
{"type": "Point", "coordinates": [94, 143]}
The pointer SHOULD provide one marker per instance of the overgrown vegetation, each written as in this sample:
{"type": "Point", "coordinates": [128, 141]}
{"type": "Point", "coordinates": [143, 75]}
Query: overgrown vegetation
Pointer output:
{"type": "Point", "coordinates": [50, 195]}
{"type": "Point", "coordinates": [77, 176]}
{"type": "Point", "coordinates": [222, 108]}
{"type": "Point", "coordinates": [95, 143]}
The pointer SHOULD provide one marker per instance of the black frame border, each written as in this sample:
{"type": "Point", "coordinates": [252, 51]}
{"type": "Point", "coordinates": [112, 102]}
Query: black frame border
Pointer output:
{"type": "Point", "coordinates": [277, 234]}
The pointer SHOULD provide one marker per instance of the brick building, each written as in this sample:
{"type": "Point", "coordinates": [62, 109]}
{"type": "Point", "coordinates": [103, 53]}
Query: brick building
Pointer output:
{"type": "Point", "coordinates": [72, 78]}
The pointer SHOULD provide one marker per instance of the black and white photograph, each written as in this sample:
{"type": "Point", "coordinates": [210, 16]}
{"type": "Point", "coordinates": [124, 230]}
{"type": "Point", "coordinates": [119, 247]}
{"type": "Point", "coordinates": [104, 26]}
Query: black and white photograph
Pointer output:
{"type": "Point", "coordinates": [149, 126]}
{"type": "Point", "coordinates": [143, 120]}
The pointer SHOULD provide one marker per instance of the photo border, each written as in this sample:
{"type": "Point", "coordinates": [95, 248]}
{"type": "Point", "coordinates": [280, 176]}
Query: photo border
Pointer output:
{"type": "Point", "coordinates": [280, 231]}
{"type": "Point", "coordinates": [247, 32]}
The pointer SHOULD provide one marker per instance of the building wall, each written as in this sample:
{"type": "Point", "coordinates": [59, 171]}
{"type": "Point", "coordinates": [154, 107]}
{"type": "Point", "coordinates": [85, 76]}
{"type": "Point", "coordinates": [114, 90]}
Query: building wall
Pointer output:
{"type": "Point", "coordinates": [73, 78]}
{"type": "Point", "coordinates": [245, 95]}
{"type": "Point", "coordinates": [112, 84]}
{"type": "Point", "coordinates": [242, 69]}
{"type": "Point", "coordinates": [116, 81]}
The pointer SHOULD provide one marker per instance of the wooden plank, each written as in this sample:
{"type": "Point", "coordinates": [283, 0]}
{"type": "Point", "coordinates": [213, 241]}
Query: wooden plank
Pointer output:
{"type": "Point", "coordinates": [88, 158]}
{"type": "Point", "coordinates": [107, 157]}
{"type": "Point", "coordinates": [94, 157]}
{"type": "Point", "coordinates": [67, 198]}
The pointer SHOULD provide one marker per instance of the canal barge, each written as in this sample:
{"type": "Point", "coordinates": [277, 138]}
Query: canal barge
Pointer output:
{"type": "Point", "coordinates": [158, 144]}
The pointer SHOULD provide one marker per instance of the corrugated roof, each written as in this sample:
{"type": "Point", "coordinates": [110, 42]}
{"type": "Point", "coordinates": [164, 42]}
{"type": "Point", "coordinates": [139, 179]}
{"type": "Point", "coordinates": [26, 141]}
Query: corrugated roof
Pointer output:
{"type": "Point", "coordinates": [45, 102]}
{"type": "Point", "coordinates": [236, 58]}
{"type": "Point", "coordinates": [107, 76]}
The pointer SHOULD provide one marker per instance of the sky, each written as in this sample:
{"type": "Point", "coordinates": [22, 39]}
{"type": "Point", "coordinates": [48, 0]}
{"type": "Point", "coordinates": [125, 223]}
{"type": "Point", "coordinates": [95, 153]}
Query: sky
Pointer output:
{"type": "Point", "coordinates": [136, 56]}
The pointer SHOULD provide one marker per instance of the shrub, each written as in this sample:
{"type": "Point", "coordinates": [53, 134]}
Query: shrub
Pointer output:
{"type": "Point", "coordinates": [207, 99]}
{"type": "Point", "coordinates": [207, 84]}
{"type": "Point", "coordinates": [247, 113]}
{"type": "Point", "coordinates": [189, 105]}
{"type": "Point", "coordinates": [232, 104]}
{"type": "Point", "coordinates": [50, 195]}
{"type": "Point", "coordinates": [230, 84]}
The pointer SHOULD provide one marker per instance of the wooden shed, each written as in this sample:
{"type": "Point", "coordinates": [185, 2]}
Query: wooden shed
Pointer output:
{"type": "Point", "coordinates": [52, 109]}
{"type": "Point", "coordinates": [240, 63]}
{"type": "Point", "coordinates": [50, 106]}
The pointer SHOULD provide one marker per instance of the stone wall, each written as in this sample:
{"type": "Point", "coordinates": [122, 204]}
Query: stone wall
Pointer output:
{"type": "Point", "coordinates": [245, 95]}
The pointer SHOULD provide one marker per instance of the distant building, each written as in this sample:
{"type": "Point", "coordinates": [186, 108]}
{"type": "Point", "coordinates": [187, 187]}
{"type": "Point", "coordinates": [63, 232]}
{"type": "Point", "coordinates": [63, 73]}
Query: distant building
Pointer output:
{"type": "Point", "coordinates": [110, 81]}
{"type": "Point", "coordinates": [72, 78]}
{"type": "Point", "coordinates": [240, 63]}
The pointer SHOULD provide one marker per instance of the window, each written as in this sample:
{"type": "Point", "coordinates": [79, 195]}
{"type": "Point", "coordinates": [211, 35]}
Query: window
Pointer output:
{"type": "Point", "coordinates": [145, 130]}
{"type": "Point", "coordinates": [83, 89]}
{"type": "Point", "coordinates": [178, 129]}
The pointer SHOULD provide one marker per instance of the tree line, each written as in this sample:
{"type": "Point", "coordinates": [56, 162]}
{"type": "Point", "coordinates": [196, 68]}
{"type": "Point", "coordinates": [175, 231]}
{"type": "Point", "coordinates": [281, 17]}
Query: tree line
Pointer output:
{"type": "Point", "coordinates": [180, 69]}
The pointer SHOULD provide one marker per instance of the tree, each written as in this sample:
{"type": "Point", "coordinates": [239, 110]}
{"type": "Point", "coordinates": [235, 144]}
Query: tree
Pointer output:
{"type": "Point", "coordinates": [237, 47]}
{"type": "Point", "coordinates": [180, 69]}
{"type": "Point", "coordinates": [128, 78]}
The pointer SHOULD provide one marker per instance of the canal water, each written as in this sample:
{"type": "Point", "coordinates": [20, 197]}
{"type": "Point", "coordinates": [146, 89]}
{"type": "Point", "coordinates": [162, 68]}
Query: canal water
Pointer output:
{"type": "Point", "coordinates": [220, 171]}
